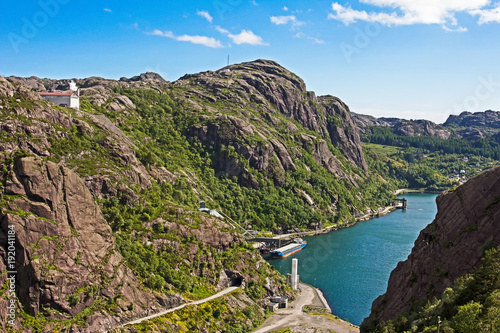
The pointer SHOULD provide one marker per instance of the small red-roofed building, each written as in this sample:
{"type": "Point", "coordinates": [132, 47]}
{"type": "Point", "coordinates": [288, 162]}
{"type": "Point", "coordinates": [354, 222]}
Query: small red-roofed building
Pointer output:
{"type": "Point", "coordinates": [69, 99]}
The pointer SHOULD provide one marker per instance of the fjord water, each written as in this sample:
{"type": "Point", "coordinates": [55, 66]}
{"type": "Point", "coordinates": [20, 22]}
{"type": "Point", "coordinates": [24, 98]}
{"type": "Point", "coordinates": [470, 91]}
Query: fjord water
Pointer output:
{"type": "Point", "coordinates": [352, 266]}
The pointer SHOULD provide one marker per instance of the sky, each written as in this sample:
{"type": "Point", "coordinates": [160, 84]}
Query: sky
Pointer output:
{"type": "Point", "coordinates": [412, 59]}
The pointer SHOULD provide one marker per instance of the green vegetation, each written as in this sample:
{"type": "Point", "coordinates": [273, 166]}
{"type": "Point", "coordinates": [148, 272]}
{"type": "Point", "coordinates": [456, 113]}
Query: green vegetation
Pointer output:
{"type": "Point", "coordinates": [421, 169]}
{"type": "Point", "coordinates": [159, 131]}
{"type": "Point", "coordinates": [470, 305]}
{"type": "Point", "coordinates": [216, 315]}
{"type": "Point", "coordinates": [484, 147]}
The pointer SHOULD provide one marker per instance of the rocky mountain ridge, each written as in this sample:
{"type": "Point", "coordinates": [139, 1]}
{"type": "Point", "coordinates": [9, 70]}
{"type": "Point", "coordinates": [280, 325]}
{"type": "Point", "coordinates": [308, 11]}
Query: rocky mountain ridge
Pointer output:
{"type": "Point", "coordinates": [467, 125]}
{"type": "Point", "coordinates": [261, 98]}
{"type": "Point", "coordinates": [466, 224]}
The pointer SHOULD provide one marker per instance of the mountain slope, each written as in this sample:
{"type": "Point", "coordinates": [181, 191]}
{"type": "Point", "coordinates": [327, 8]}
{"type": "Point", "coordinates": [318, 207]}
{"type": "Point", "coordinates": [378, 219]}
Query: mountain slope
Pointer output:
{"type": "Point", "coordinates": [265, 102]}
{"type": "Point", "coordinates": [466, 225]}
{"type": "Point", "coordinates": [105, 198]}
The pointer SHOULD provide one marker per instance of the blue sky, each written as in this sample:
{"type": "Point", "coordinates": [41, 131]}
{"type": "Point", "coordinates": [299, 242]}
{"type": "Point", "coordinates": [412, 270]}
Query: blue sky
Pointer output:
{"type": "Point", "coordinates": [414, 59]}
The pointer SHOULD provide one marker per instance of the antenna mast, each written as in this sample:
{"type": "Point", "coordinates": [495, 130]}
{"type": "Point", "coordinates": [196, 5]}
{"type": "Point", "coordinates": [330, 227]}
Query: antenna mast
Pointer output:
{"type": "Point", "coordinates": [228, 59]}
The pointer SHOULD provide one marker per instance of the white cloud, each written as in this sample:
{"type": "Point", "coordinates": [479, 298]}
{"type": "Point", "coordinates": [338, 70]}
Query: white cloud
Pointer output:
{"type": "Point", "coordinates": [314, 40]}
{"type": "Point", "coordinates": [487, 15]}
{"type": "Point", "coordinates": [285, 8]}
{"type": "Point", "coordinates": [409, 12]}
{"type": "Point", "coordinates": [247, 37]}
{"type": "Point", "coordinates": [278, 20]}
{"type": "Point", "coordinates": [281, 20]}
{"type": "Point", "coordinates": [254, 3]}
{"type": "Point", "coordinates": [244, 37]}
{"type": "Point", "coordinates": [205, 14]}
{"type": "Point", "coordinates": [459, 29]}
{"type": "Point", "coordinates": [221, 30]}
{"type": "Point", "coordinates": [200, 40]}
{"type": "Point", "coordinates": [107, 10]}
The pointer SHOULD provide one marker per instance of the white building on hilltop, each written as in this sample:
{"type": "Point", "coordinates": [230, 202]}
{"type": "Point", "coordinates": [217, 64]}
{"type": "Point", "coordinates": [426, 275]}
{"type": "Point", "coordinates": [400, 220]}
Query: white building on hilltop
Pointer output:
{"type": "Point", "coordinates": [67, 99]}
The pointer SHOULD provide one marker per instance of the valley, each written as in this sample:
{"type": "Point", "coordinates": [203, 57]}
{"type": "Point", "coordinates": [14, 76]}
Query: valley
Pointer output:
{"type": "Point", "coordinates": [105, 197]}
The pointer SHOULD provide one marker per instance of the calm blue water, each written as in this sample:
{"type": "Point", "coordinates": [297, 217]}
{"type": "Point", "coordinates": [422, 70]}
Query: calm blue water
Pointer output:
{"type": "Point", "coordinates": [352, 266]}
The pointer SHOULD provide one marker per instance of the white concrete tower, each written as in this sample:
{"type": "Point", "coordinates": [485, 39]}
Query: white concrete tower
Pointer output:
{"type": "Point", "coordinates": [295, 277]}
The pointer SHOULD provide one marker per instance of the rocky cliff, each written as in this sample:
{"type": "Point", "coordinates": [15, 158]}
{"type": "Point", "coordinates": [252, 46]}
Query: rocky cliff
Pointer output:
{"type": "Point", "coordinates": [66, 255]}
{"type": "Point", "coordinates": [467, 224]}
{"type": "Point", "coordinates": [363, 122]}
{"type": "Point", "coordinates": [265, 102]}
{"type": "Point", "coordinates": [421, 128]}
{"type": "Point", "coordinates": [487, 118]}
{"type": "Point", "coordinates": [475, 125]}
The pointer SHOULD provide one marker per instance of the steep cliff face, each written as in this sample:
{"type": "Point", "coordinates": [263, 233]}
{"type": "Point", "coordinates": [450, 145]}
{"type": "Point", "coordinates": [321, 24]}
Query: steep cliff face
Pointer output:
{"type": "Point", "coordinates": [265, 102]}
{"type": "Point", "coordinates": [467, 224]}
{"type": "Point", "coordinates": [66, 255]}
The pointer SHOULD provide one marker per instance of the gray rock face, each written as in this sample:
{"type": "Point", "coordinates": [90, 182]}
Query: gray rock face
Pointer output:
{"type": "Point", "coordinates": [467, 125]}
{"type": "Point", "coordinates": [487, 118]}
{"type": "Point", "coordinates": [421, 128]}
{"type": "Point", "coordinates": [403, 127]}
{"type": "Point", "coordinates": [467, 223]}
{"type": "Point", "coordinates": [63, 245]}
{"type": "Point", "coordinates": [364, 121]}
{"type": "Point", "coordinates": [266, 100]}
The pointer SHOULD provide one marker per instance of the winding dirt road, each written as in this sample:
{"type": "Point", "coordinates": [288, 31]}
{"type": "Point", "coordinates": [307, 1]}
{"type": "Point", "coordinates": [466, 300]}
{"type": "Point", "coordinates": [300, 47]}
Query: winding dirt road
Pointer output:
{"type": "Point", "coordinates": [219, 294]}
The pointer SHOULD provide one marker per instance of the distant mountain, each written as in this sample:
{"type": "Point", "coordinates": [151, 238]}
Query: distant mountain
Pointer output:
{"type": "Point", "coordinates": [402, 126]}
{"type": "Point", "coordinates": [467, 125]}
{"type": "Point", "coordinates": [474, 125]}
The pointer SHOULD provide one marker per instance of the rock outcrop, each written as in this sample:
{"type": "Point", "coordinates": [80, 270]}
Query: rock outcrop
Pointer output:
{"type": "Point", "coordinates": [475, 126]}
{"type": "Point", "coordinates": [66, 255]}
{"type": "Point", "coordinates": [467, 125]}
{"type": "Point", "coordinates": [266, 100]}
{"type": "Point", "coordinates": [421, 128]}
{"type": "Point", "coordinates": [487, 118]}
{"type": "Point", "coordinates": [403, 127]}
{"type": "Point", "coordinates": [467, 223]}
{"type": "Point", "coordinates": [365, 121]}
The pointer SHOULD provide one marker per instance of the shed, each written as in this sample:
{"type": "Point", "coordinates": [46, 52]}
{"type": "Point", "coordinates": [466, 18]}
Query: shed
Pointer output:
{"type": "Point", "coordinates": [282, 301]}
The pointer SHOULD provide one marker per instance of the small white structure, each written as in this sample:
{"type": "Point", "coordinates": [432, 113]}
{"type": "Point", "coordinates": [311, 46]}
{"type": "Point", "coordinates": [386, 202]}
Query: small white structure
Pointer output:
{"type": "Point", "coordinates": [67, 99]}
{"type": "Point", "coordinates": [294, 278]}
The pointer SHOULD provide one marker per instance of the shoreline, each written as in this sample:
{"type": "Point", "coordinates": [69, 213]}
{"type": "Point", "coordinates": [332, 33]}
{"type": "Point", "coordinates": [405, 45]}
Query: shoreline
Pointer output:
{"type": "Point", "coordinates": [307, 311]}
{"type": "Point", "coordinates": [379, 212]}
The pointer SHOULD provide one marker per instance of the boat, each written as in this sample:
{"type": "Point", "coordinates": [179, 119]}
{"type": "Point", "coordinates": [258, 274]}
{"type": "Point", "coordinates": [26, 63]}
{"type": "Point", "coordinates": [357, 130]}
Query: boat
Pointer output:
{"type": "Point", "coordinates": [287, 250]}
